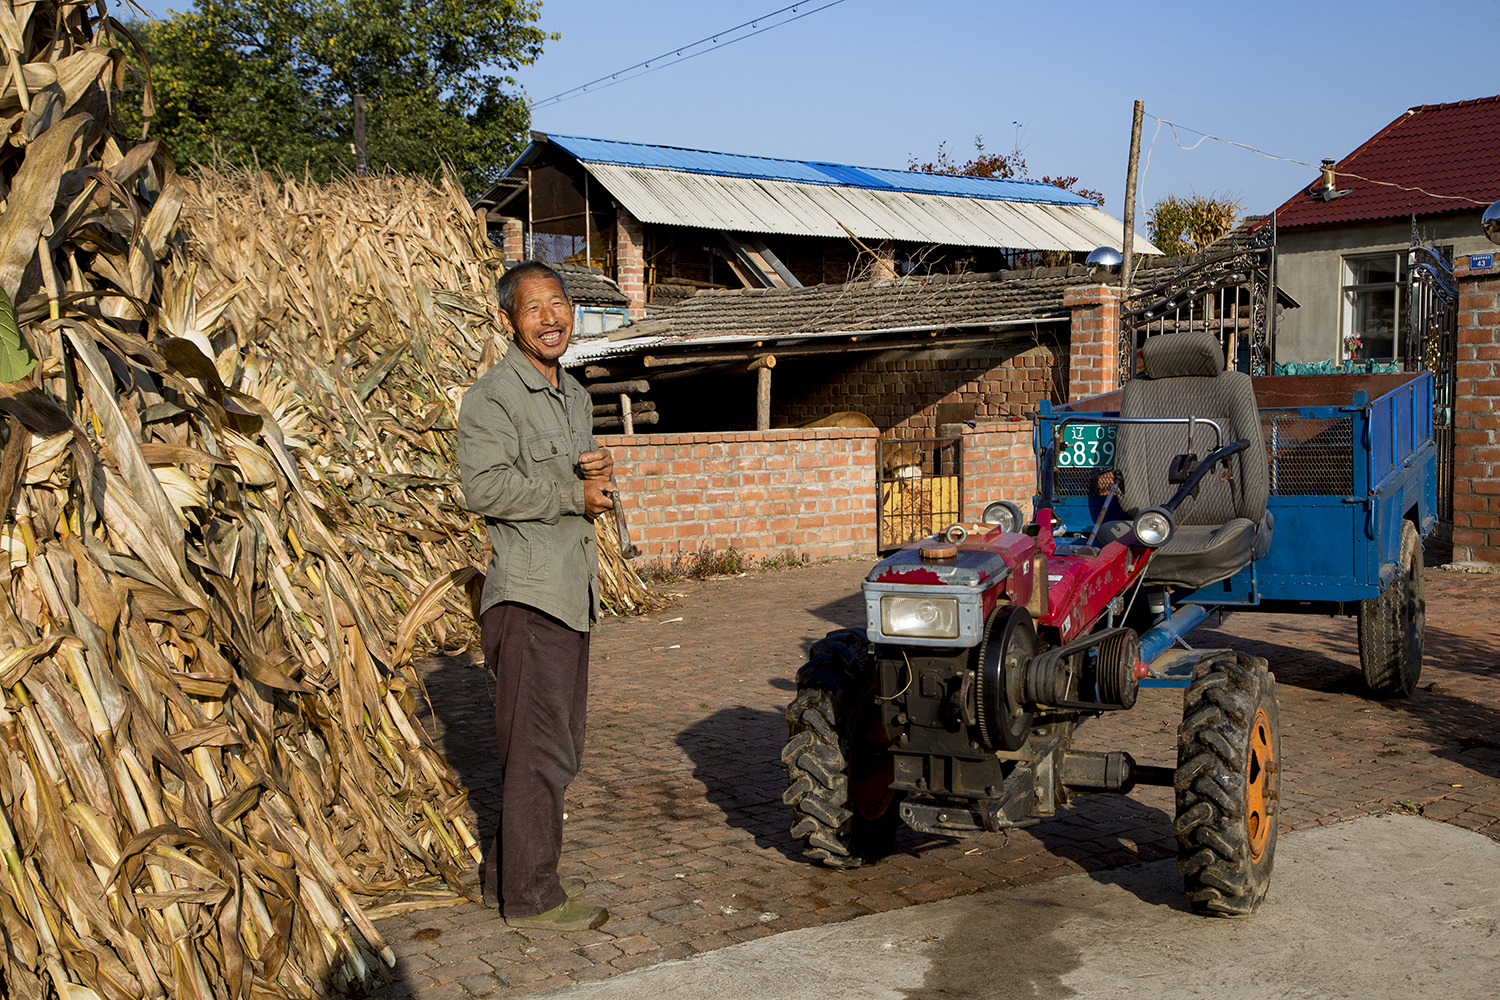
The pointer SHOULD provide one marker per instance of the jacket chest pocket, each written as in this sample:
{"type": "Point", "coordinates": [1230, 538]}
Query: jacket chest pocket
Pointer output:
{"type": "Point", "coordinates": [552, 451]}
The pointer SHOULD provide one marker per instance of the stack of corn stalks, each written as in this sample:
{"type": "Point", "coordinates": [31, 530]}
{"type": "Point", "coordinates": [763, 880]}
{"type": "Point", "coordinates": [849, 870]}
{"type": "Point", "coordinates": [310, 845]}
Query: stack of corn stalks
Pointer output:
{"type": "Point", "coordinates": [373, 299]}
{"type": "Point", "coordinates": [218, 519]}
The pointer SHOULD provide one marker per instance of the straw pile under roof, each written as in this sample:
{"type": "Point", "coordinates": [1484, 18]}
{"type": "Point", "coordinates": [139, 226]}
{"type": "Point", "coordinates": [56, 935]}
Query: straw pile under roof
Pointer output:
{"type": "Point", "coordinates": [225, 525]}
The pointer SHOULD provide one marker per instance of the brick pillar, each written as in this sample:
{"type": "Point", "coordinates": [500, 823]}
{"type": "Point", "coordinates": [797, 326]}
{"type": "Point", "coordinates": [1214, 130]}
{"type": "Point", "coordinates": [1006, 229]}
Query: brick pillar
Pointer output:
{"type": "Point", "coordinates": [1476, 418]}
{"type": "Point", "coordinates": [1094, 339]}
{"type": "Point", "coordinates": [630, 261]}
{"type": "Point", "coordinates": [512, 238]}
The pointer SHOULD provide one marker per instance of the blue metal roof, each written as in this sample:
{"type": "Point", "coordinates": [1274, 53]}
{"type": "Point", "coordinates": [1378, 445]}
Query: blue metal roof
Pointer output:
{"type": "Point", "coordinates": [697, 161]}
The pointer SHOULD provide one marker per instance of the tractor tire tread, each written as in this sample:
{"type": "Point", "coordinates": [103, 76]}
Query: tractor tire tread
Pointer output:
{"type": "Point", "coordinates": [1215, 859]}
{"type": "Point", "coordinates": [1391, 625]}
{"type": "Point", "coordinates": [817, 755]}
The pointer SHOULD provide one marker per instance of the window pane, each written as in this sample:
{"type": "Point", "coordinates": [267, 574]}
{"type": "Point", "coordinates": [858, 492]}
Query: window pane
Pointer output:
{"type": "Point", "coordinates": [1371, 270]}
{"type": "Point", "coordinates": [590, 322]}
{"type": "Point", "coordinates": [1371, 332]}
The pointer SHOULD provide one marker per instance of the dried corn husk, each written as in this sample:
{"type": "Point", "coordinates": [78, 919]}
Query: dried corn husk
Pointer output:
{"type": "Point", "coordinates": [209, 764]}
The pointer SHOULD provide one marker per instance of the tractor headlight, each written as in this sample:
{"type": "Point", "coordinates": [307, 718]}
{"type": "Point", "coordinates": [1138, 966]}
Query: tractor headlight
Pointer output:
{"type": "Point", "coordinates": [1005, 514]}
{"type": "Point", "coordinates": [1154, 526]}
{"type": "Point", "coordinates": [919, 617]}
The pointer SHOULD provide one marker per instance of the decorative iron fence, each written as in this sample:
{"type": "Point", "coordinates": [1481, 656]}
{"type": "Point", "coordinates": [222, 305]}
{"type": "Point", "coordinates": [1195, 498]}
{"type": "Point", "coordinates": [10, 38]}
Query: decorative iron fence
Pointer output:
{"type": "Point", "coordinates": [1431, 308]}
{"type": "Point", "coordinates": [1230, 292]}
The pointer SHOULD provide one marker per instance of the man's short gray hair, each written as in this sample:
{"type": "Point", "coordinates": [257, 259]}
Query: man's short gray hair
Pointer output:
{"type": "Point", "coordinates": [506, 287]}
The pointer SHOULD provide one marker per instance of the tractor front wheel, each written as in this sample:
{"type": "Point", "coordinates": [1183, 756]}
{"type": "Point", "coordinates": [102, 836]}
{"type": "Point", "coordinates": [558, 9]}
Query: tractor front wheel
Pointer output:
{"type": "Point", "coordinates": [839, 773]}
{"type": "Point", "coordinates": [1228, 784]}
{"type": "Point", "coordinates": [1391, 625]}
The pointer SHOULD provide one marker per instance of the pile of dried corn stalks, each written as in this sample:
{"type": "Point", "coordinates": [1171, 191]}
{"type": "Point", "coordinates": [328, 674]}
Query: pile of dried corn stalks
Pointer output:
{"type": "Point", "coordinates": [223, 483]}
{"type": "Point", "coordinates": [373, 300]}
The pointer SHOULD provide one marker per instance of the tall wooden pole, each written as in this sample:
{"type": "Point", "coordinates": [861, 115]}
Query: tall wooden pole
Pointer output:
{"type": "Point", "coordinates": [360, 166]}
{"type": "Point", "coordinates": [1127, 251]}
{"type": "Point", "coordinates": [762, 368]}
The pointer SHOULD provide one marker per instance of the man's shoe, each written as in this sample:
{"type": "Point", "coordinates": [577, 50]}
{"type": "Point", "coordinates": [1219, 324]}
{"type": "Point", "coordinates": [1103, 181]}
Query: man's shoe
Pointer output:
{"type": "Point", "coordinates": [568, 916]}
{"type": "Point", "coordinates": [574, 887]}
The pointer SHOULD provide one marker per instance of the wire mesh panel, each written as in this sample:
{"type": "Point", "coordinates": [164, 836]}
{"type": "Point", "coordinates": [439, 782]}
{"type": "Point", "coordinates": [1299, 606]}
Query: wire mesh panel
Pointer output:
{"type": "Point", "coordinates": [919, 488]}
{"type": "Point", "coordinates": [1308, 456]}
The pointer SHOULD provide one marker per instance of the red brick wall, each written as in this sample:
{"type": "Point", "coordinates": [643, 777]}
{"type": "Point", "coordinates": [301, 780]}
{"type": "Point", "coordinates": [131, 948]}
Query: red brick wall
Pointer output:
{"type": "Point", "coordinates": [762, 492]}
{"type": "Point", "coordinates": [903, 394]}
{"type": "Point", "coordinates": [998, 465]}
{"type": "Point", "coordinates": [1476, 431]}
{"type": "Point", "coordinates": [513, 238]}
{"type": "Point", "coordinates": [1094, 342]}
{"type": "Point", "coordinates": [630, 261]}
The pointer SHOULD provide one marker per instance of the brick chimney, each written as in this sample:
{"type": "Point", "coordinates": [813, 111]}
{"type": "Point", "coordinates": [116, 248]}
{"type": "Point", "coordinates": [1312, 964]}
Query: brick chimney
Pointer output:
{"type": "Point", "coordinates": [630, 261]}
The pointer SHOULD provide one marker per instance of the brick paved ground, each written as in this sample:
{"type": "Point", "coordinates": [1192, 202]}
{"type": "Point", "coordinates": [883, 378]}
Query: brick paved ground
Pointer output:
{"type": "Point", "coordinates": [676, 820]}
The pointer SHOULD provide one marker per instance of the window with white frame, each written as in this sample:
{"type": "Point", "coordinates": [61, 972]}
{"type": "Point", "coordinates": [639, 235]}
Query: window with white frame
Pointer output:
{"type": "Point", "coordinates": [1373, 285]}
{"type": "Point", "coordinates": [590, 321]}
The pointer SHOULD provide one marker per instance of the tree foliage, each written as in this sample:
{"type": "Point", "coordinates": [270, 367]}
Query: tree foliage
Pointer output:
{"type": "Point", "coordinates": [1180, 226]}
{"type": "Point", "coordinates": [272, 82]}
{"type": "Point", "coordinates": [1000, 165]}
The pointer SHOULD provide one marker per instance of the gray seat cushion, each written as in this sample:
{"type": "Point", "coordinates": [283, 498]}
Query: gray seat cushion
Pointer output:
{"type": "Point", "coordinates": [1225, 526]}
{"type": "Point", "coordinates": [1197, 554]}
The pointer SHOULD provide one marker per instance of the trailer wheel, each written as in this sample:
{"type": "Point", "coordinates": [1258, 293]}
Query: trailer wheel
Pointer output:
{"type": "Point", "coordinates": [1391, 625]}
{"type": "Point", "coordinates": [839, 775]}
{"type": "Point", "coordinates": [1228, 784]}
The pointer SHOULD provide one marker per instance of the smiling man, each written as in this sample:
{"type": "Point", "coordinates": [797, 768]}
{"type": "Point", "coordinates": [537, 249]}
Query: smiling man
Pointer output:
{"type": "Point", "coordinates": [531, 466]}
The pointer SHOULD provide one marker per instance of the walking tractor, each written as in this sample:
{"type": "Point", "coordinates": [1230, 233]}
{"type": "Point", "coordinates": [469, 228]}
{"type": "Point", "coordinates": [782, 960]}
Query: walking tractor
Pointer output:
{"type": "Point", "coordinates": [988, 643]}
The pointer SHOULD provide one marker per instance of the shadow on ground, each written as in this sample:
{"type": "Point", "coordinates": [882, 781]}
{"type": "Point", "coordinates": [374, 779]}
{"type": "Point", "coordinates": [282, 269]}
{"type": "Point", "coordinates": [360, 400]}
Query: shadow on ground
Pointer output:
{"type": "Point", "coordinates": [1456, 728]}
{"type": "Point", "coordinates": [736, 755]}
{"type": "Point", "coordinates": [844, 612]}
{"type": "Point", "coordinates": [460, 693]}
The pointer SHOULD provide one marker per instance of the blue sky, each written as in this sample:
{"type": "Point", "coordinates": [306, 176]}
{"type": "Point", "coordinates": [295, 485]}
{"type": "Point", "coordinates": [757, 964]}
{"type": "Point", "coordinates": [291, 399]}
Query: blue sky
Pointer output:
{"type": "Point", "coordinates": [879, 82]}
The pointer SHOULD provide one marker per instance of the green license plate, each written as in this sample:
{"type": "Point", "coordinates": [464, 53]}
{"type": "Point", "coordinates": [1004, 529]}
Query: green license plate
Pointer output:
{"type": "Point", "coordinates": [1087, 446]}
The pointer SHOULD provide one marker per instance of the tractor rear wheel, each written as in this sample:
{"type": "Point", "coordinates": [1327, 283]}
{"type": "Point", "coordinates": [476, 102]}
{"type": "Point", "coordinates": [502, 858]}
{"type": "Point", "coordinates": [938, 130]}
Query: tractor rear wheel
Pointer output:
{"type": "Point", "coordinates": [1228, 784]}
{"type": "Point", "coordinates": [839, 773]}
{"type": "Point", "coordinates": [1391, 625]}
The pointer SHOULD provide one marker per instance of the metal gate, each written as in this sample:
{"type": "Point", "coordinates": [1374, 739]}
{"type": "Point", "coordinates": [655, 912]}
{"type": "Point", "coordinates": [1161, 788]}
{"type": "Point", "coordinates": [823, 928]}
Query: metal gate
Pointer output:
{"type": "Point", "coordinates": [1431, 307]}
{"type": "Point", "coordinates": [919, 488]}
{"type": "Point", "coordinates": [1230, 292]}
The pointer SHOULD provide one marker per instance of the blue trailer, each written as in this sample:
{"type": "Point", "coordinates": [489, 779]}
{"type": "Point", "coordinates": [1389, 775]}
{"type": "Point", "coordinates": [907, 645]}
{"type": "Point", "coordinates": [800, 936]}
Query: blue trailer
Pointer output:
{"type": "Point", "coordinates": [1352, 469]}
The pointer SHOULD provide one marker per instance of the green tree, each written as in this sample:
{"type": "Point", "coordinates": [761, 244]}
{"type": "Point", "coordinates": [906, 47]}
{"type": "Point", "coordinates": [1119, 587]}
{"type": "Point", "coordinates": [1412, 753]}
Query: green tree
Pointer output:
{"type": "Point", "coordinates": [273, 81]}
{"type": "Point", "coordinates": [1180, 226]}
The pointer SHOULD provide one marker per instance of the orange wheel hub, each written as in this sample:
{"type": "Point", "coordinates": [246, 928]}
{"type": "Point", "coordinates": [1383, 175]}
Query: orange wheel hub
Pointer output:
{"type": "Point", "coordinates": [1259, 771]}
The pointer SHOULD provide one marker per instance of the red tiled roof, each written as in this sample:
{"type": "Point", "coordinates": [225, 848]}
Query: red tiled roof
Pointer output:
{"type": "Point", "coordinates": [1444, 149]}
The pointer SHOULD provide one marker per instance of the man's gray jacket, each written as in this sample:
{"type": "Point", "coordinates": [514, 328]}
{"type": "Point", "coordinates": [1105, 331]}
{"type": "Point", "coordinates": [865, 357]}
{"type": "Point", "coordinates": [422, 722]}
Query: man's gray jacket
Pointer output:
{"type": "Point", "coordinates": [519, 439]}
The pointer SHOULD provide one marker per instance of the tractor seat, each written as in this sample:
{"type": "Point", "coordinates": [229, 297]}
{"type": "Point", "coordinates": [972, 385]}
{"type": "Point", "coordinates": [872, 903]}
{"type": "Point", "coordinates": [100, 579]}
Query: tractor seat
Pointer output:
{"type": "Point", "coordinates": [1226, 525]}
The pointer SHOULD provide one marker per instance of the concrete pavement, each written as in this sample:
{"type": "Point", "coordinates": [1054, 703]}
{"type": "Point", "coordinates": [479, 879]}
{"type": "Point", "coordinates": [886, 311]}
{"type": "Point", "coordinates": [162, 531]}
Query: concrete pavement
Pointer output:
{"type": "Point", "coordinates": [1382, 908]}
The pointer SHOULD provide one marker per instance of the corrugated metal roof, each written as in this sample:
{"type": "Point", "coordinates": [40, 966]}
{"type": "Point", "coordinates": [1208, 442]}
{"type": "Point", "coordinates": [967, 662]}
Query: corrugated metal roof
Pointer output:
{"type": "Point", "coordinates": [1446, 149]}
{"type": "Point", "coordinates": [698, 161]}
{"type": "Point", "coordinates": [759, 205]}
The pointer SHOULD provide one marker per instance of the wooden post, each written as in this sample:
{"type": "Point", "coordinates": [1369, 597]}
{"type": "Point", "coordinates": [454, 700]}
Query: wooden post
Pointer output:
{"type": "Point", "coordinates": [1127, 252]}
{"type": "Point", "coordinates": [762, 369]}
{"type": "Point", "coordinates": [638, 385]}
{"type": "Point", "coordinates": [360, 167]}
{"type": "Point", "coordinates": [626, 417]}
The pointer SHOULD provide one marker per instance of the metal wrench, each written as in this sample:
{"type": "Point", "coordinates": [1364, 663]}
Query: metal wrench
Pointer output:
{"type": "Point", "coordinates": [627, 548]}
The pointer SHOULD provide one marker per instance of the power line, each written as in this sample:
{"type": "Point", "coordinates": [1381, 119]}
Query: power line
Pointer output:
{"type": "Point", "coordinates": [1303, 163]}
{"type": "Point", "coordinates": [619, 76]}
